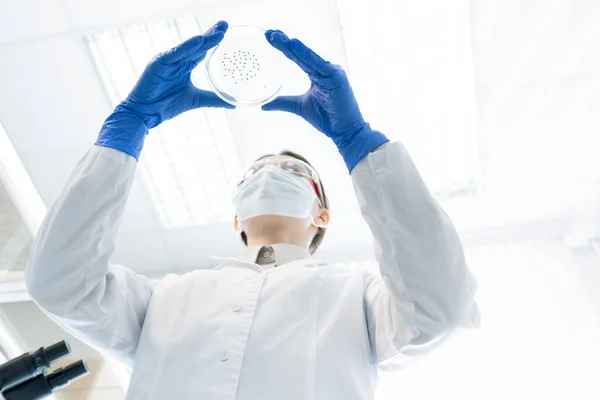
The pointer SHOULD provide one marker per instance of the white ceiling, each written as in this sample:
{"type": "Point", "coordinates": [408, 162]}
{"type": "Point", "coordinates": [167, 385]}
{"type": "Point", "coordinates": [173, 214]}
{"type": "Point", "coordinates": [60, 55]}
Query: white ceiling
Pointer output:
{"type": "Point", "coordinates": [537, 74]}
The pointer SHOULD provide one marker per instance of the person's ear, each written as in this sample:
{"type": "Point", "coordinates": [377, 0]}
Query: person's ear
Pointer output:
{"type": "Point", "coordinates": [236, 225]}
{"type": "Point", "coordinates": [322, 220]}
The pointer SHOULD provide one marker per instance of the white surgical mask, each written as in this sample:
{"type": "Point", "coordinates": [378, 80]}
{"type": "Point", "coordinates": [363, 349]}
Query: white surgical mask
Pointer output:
{"type": "Point", "coordinates": [272, 191]}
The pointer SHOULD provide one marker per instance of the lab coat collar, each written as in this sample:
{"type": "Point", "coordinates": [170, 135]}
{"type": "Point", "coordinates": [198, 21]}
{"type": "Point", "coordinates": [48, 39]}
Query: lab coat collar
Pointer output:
{"type": "Point", "coordinates": [287, 255]}
{"type": "Point", "coordinates": [283, 253]}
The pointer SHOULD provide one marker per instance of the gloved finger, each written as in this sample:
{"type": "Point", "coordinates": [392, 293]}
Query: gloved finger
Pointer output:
{"type": "Point", "coordinates": [214, 35]}
{"type": "Point", "coordinates": [338, 79]}
{"type": "Point", "coordinates": [281, 42]}
{"type": "Point", "coordinates": [312, 59]}
{"type": "Point", "coordinates": [219, 26]}
{"type": "Point", "coordinates": [194, 63]}
{"type": "Point", "coordinates": [204, 98]}
{"type": "Point", "coordinates": [283, 103]}
{"type": "Point", "coordinates": [179, 51]}
{"type": "Point", "coordinates": [212, 38]}
{"type": "Point", "coordinates": [196, 46]}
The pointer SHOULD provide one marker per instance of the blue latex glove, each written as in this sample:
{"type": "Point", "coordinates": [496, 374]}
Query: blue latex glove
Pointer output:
{"type": "Point", "coordinates": [164, 91]}
{"type": "Point", "coordinates": [329, 105]}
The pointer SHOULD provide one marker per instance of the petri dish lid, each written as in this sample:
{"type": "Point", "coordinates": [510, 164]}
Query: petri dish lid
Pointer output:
{"type": "Point", "coordinates": [244, 69]}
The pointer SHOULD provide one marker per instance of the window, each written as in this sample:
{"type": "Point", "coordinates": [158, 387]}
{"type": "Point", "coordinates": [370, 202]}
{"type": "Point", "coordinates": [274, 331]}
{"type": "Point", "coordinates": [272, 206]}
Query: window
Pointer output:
{"type": "Point", "coordinates": [411, 69]}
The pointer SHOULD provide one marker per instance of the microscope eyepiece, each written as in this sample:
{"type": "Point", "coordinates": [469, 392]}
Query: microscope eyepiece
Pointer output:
{"type": "Point", "coordinates": [26, 377]}
{"type": "Point", "coordinates": [57, 351]}
{"type": "Point", "coordinates": [29, 365]}
{"type": "Point", "coordinates": [40, 385]}
{"type": "Point", "coordinates": [63, 376]}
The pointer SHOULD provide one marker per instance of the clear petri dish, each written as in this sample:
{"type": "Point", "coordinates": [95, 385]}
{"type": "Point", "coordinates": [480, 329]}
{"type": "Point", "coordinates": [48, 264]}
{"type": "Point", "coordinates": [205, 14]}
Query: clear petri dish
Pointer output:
{"type": "Point", "coordinates": [244, 69]}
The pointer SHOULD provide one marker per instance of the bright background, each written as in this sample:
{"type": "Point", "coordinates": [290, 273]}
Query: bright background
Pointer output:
{"type": "Point", "coordinates": [496, 100]}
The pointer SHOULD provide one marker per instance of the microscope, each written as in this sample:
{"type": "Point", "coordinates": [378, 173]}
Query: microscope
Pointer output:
{"type": "Point", "coordinates": [26, 377]}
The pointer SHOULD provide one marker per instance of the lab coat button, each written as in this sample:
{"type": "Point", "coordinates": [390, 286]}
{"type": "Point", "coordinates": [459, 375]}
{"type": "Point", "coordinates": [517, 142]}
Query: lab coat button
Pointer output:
{"type": "Point", "coordinates": [224, 357]}
{"type": "Point", "coordinates": [237, 308]}
{"type": "Point", "coordinates": [248, 277]}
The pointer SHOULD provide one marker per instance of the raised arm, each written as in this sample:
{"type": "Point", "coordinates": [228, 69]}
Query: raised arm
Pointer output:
{"type": "Point", "coordinates": [70, 275]}
{"type": "Point", "coordinates": [425, 289]}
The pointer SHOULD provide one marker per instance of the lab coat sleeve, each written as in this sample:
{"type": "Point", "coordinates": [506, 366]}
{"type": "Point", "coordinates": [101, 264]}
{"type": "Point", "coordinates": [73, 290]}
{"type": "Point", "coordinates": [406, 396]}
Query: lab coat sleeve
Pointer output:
{"type": "Point", "coordinates": [425, 289]}
{"type": "Point", "coordinates": [69, 274]}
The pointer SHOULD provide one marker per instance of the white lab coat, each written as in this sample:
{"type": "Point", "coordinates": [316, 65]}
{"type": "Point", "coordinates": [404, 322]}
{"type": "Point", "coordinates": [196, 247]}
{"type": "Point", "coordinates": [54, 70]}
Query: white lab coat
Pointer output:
{"type": "Point", "coordinates": [302, 330]}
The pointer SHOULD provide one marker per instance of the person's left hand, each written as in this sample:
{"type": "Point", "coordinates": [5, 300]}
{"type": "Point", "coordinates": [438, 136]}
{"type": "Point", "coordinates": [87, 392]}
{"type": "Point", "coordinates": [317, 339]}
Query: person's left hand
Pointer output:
{"type": "Point", "coordinates": [164, 91]}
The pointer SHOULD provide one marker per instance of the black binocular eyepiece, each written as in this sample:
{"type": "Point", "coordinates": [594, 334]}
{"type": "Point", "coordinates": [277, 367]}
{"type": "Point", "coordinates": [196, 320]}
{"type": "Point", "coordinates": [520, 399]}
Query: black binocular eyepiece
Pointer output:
{"type": "Point", "coordinates": [25, 378]}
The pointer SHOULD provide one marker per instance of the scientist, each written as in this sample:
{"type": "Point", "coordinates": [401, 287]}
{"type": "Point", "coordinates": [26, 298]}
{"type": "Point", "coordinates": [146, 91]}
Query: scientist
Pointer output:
{"type": "Point", "coordinates": [275, 323]}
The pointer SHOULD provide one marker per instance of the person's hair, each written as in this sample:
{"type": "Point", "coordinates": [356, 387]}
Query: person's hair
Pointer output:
{"type": "Point", "coordinates": [318, 238]}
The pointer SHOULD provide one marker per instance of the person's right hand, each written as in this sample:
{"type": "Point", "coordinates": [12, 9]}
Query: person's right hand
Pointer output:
{"type": "Point", "coordinates": [329, 104]}
{"type": "Point", "coordinates": [163, 91]}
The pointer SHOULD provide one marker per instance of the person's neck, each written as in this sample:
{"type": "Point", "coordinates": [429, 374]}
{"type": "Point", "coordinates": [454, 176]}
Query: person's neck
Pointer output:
{"type": "Point", "coordinates": [275, 229]}
{"type": "Point", "coordinates": [269, 240]}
